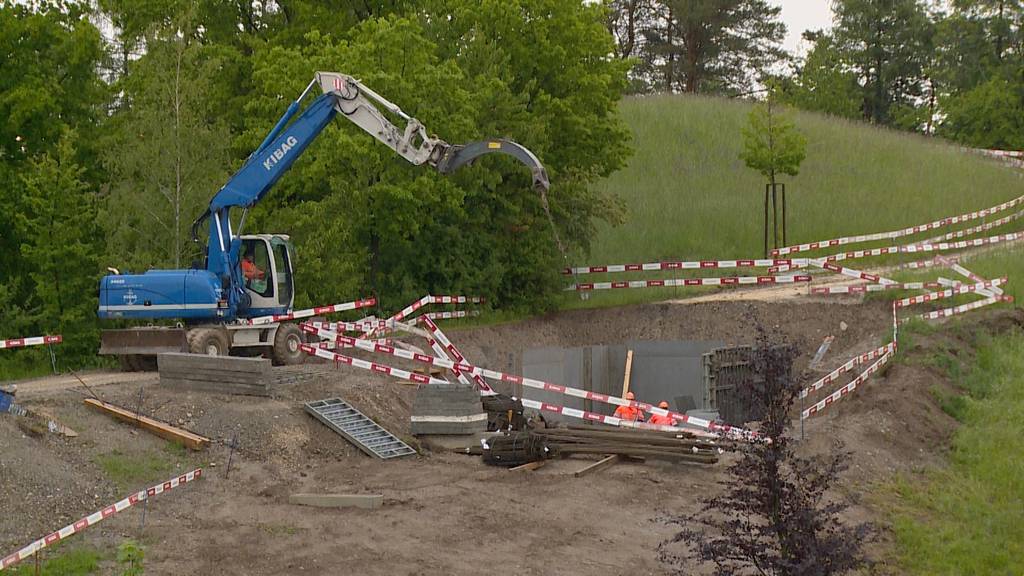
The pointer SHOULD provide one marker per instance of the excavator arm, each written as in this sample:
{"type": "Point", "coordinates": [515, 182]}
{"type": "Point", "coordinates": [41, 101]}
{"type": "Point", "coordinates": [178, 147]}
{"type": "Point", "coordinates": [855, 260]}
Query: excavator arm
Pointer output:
{"type": "Point", "coordinates": [344, 95]}
{"type": "Point", "coordinates": [356, 102]}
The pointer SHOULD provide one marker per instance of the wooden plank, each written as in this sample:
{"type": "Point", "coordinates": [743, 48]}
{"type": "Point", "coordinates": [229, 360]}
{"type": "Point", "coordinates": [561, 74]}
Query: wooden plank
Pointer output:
{"type": "Point", "coordinates": [629, 371]}
{"type": "Point", "coordinates": [161, 429]}
{"type": "Point", "coordinates": [599, 465]}
{"type": "Point", "coordinates": [338, 500]}
{"type": "Point", "coordinates": [529, 466]}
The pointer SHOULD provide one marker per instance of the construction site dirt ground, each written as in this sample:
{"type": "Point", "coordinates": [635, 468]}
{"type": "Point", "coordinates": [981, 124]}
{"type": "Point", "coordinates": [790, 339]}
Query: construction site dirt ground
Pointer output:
{"type": "Point", "coordinates": [443, 513]}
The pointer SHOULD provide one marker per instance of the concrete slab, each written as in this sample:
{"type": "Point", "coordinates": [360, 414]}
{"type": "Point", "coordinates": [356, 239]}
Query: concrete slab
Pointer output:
{"type": "Point", "coordinates": [369, 501]}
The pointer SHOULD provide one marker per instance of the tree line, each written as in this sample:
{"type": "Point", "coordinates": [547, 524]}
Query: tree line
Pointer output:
{"type": "Point", "coordinates": [953, 69]}
{"type": "Point", "coordinates": [122, 118]}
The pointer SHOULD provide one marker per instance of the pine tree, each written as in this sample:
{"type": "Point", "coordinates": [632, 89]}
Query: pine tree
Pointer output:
{"type": "Point", "coordinates": [715, 45]}
{"type": "Point", "coordinates": [888, 43]}
{"type": "Point", "coordinates": [61, 244]}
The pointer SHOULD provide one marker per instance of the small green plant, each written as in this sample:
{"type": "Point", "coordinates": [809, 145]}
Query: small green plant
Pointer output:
{"type": "Point", "coordinates": [130, 556]}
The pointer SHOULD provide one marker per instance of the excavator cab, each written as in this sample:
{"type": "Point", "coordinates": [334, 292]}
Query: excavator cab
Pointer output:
{"type": "Point", "coordinates": [266, 262]}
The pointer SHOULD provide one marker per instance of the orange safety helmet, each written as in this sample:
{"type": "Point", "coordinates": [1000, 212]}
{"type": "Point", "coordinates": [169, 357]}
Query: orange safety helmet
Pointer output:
{"type": "Point", "coordinates": [663, 404]}
{"type": "Point", "coordinates": [630, 396]}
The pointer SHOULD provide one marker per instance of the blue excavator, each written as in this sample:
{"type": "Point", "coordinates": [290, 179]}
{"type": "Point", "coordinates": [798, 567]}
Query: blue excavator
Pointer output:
{"type": "Point", "coordinates": [212, 302]}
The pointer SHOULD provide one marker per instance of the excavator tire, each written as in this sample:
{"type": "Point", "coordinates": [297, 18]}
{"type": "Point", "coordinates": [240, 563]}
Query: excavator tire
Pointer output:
{"type": "Point", "coordinates": [209, 341]}
{"type": "Point", "coordinates": [286, 346]}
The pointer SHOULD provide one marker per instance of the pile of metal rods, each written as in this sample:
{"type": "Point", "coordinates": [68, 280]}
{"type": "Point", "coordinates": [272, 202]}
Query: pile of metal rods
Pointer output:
{"type": "Point", "coordinates": [675, 446]}
{"type": "Point", "coordinates": [522, 447]}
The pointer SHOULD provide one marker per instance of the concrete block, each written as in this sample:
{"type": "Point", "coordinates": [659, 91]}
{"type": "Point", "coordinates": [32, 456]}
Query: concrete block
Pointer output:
{"type": "Point", "coordinates": [369, 501]}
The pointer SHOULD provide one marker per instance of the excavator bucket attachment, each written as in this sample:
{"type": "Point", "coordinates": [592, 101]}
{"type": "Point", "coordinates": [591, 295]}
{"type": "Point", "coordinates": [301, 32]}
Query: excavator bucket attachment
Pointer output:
{"type": "Point", "coordinates": [459, 155]}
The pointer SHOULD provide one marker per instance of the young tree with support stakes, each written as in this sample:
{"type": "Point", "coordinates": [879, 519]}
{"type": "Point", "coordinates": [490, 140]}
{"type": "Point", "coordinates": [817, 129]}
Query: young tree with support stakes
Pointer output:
{"type": "Point", "coordinates": [774, 516]}
{"type": "Point", "coordinates": [773, 146]}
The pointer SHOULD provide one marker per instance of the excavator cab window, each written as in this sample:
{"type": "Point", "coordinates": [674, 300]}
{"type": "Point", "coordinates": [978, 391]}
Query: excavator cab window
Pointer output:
{"type": "Point", "coordinates": [256, 268]}
{"type": "Point", "coordinates": [283, 265]}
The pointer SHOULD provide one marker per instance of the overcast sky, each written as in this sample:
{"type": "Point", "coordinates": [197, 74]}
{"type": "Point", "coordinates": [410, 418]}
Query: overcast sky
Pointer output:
{"type": "Point", "coordinates": [800, 15]}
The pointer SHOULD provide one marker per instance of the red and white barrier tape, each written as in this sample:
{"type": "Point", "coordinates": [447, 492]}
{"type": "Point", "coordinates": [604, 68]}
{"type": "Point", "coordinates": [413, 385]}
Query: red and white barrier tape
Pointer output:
{"type": "Point", "coordinates": [371, 346]}
{"type": "Point", "coordinates": [368, 325]}
{"type": "Point", "coordinates": [924, 246]}
{"type": "Point", "coordinates": [321, 352]}
{"type": "Point", "coordinates": [898, 233]}
{"type": "Point", "coordinates": [856, 361]}
{"type": "Point", "coordinates": [995, 291]}
{"type": "Point", "coordinates": [850, 272]}
{"type": "Point", "coordinates": [943, 246]}
{"type": "Point", "coordinates": [848, 388]}
{"type": "Point", "coordinates": [34, 341]}
{"type": "Point", "coordinates": [675, 265]}
{"type": "Point", "coordinates": [862, 288]}
{"type": "Point", "coordinates": [450, 315]}
{"type": "Point", "coordinates": [949, 293]}
{"type": "Point", "coordinates": [447, 346]}
{"type": "Point", "coordinates": [929, 263]}
{"type": "Point", "coordinates": [351, 326]}
{"type": "Point", "coordinates": [720, 281]}
{"type": "Point", "coordinates": [610, 420]}
{"type": "Point", "coordinates": [97, 516]}
{"type": "Point", "coordinates": [947, 312]}
{"type": "Point", "coordinates": [313, 312]}
{"type": "Point", "coordinates": [430, 299]}
{"type": "Point", "coordinates": [974, 229]}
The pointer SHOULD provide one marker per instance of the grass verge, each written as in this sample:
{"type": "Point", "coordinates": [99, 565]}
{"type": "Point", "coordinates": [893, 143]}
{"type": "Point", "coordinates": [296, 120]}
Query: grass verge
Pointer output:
{"type": "Point", "coordinates": [135, 471]}
{"type": "Point", "coordinates": [969, 517]}
{"type": "Point", "coordinates": [60, 562]}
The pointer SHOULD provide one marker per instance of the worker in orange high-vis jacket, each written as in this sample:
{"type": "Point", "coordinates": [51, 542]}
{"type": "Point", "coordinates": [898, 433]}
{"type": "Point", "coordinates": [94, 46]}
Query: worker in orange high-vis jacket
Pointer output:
{"type": "Point", "coordinates": [663, 420]}
{"type": "Point", "coordinates": [629, 413]}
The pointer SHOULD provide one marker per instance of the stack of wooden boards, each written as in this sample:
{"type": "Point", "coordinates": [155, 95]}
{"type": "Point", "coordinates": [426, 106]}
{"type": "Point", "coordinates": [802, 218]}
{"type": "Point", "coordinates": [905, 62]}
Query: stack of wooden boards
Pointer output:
{"type": "Point", "coordinates": [521, 447]}
{"type": "Point", "coordinates": [223, 374]}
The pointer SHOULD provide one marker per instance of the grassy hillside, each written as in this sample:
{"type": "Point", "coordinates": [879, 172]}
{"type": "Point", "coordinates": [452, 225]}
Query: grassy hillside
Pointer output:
{"type": "Point", "coordinates": [690, 196]}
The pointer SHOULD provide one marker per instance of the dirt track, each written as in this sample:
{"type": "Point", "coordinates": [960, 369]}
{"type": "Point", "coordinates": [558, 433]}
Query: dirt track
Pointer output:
{"type": "Point", "coordinates": [444, 513]}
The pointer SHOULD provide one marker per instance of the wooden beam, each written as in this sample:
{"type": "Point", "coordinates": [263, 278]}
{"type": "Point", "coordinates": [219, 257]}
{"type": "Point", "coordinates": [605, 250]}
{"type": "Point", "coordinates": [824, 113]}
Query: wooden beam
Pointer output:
{"type": "Point", "coordinates": [629, 371]}
{"type": "Point", "coordinates": [599, 465]}
{"type": "Point", "coordinates": [161, 429]}
{"type": "Point", "coordinates": [529, 466]}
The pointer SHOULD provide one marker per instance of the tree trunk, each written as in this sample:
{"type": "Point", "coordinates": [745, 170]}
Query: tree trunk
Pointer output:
{"type": "Point", "coordinates": [177, 160]}
{"type": "Point", "coordinates": [670, 64]}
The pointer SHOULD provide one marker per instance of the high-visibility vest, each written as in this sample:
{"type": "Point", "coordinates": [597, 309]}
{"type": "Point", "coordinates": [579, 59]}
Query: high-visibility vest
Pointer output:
{"type": "Point", "coordinates": [662, 420]}
{"type": "Point", "coordinates": [629, 413]}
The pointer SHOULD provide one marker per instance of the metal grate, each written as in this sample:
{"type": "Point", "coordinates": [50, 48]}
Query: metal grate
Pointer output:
{"type": "Point", "coordinates": [358, 428]}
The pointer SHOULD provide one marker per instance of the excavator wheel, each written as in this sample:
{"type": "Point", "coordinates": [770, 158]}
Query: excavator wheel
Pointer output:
{"type": "Point", "coordinates": [286, 346]}
{"type": "Point", "coordinates": [209, 341]}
